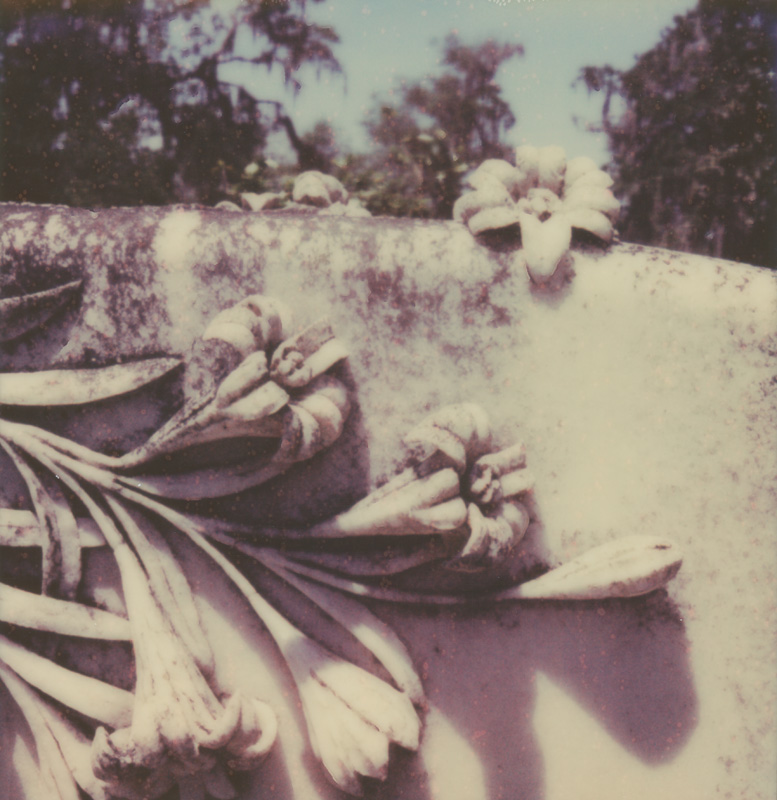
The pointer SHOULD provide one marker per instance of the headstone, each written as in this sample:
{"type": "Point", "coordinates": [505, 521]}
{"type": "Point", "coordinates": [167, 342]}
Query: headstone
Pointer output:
{"type": "Point", "coordinates": [642, 385]}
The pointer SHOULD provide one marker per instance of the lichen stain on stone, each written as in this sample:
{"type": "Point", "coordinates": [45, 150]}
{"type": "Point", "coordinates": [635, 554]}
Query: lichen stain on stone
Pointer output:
{"type": "Point", "coordinates": [21, 234]}
{"type": "Point", "coordinates": [59, 235]}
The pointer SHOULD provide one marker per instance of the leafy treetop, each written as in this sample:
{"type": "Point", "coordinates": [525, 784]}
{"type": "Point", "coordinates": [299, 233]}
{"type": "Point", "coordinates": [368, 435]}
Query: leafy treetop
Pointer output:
{"type": "Point", "coordinates": [692, 129]}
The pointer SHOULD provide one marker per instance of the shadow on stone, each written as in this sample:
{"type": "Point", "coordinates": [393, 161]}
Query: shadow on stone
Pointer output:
{"type": "Point", "coordinates": [625, 662]}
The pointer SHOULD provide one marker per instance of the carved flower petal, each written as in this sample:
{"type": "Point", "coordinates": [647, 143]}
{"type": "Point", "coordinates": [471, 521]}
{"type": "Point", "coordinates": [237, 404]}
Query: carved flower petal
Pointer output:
{"type": "Point", "coordinates": [577, 167]}
{"type": "Point", "coordinates": [492, 536]}
{"type": "Point", "coordinates": [586, 219]}
{"type": "Point", "coordinates": [352, 716]}
{"type": "Point", "coordinates": [461, 432]}
{"type": "Point", "coordinates": [544, 244]}
{"type": "Point", "coordinates": [306, 356]}
{"type": "Point", "coordinates": [551, 166]}
{"type": "Point", "coordinates": [597, 198]}
{"type": "Point", "coordinates": [596, 177]}
{"type": "Point", "coordinates": [513, 179]}
{"type": "Point", "coordinates": [527, 159]}
{"type": "Point", "coordinates": [466, 206]}
{"type": "Point", "coordinates": [314, 188]}
{"type": "Point", "coordinates": [253, 738]}
{"type": "Point", "coordinates": [399, 513]}
{"type": "Point", "coordinates": [266, 201]}
{"type": "Point", "coordinates": [492, 219]}
{"type": "Point", "coordinates": [346, 745]}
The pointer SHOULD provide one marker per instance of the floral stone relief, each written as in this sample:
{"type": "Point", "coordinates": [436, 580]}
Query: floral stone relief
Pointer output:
{"type": "Point", "coordinates": [461, 501]}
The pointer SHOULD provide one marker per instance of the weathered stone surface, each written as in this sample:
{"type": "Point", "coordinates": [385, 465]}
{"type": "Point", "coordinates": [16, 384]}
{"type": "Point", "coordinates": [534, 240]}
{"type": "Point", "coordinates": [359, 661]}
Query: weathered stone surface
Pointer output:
{"type": "Point", "coordinates": [645, 392]}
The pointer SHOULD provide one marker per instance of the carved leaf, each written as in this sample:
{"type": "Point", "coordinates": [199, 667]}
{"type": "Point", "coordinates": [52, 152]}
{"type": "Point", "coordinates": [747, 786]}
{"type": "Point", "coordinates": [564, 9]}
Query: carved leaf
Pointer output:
{"type": "Point", "coordinates": [63, 750]}
{"type": "Point", "coordinates": [66, 387]}
{"type": "Point", "coordinates": [94, 698]}
{"type": "Point", "coordinates": [19, 315]}
{"type": "Point", "coordinates": [373, 633]}
{"type": "Point", "coordinates": [29, 610]}
{"type": "Point", "coordinates": [61, 550]}
{"type": "Point", "coordinates": [20, 528]}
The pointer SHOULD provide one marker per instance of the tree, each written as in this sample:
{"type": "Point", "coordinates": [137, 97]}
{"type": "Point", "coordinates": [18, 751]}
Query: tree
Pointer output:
{"type": "Point", "coordinates": [442, 126]}
{"type": "Point", "coordinates": [125, 101]}
{"type": "Point", "coordinates": [692, 130]}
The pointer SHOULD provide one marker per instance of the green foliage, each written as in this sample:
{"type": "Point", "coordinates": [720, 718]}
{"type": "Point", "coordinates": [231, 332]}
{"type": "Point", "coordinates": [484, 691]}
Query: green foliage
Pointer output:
{"type": "Point", "coordinates": [442, 127]}
{"type": "Point", "coordinates": [122, 101]}
{"type": "Point", "coordinates": [694, 140]}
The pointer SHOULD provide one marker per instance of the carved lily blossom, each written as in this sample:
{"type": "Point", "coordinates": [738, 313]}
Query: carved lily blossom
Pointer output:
{"type": "Point", "coordinates": [226, 385]}
{"type": "Point", "coordinates": [547, 196]}
{"type": "Point", "coordinates": [497, 521]}
{"type": "Point", "coordinates": [265, 392]}
{"type": "Point", "coordinates": [307, 425]}
{"type": "Point", "coordinates": [352, 715]}
{"type": "Point", "coordinates": [178, 723]}
{"type": "Point", "coordinates": [453, 484]}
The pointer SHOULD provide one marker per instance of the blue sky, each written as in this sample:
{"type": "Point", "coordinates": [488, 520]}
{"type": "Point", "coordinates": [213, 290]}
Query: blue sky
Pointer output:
{"type": "Point", "coordinates": [384, 41]}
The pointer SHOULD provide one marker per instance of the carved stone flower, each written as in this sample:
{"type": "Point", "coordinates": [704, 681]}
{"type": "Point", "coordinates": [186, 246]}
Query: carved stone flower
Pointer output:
{"type": "Point", "coordinates": [179, 727]}
{"type": "Point", "coordinates": [352, 716]}
{"type": "Point", "coordinates": [547, 196]}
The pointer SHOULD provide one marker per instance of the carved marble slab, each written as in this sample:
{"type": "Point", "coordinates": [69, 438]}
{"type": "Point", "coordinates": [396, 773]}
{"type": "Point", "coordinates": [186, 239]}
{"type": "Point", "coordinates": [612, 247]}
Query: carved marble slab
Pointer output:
{"type": "Point", "coordinates": [642, 390]}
